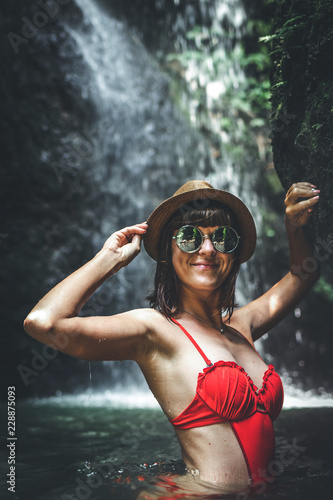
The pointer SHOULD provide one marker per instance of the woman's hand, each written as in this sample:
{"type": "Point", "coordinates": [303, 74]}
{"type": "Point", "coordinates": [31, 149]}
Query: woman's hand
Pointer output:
{"type": "Point", "coordinates": [126, 242]}
{"type": "Point", "coordinates": [299, 210]}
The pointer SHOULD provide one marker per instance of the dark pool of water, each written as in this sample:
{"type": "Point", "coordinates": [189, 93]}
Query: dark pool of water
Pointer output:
{"type": "Point", "coordinates": [81, 453]}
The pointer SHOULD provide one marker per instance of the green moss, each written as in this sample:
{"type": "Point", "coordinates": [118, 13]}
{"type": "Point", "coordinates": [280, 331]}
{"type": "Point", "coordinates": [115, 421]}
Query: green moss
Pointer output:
{"type": "Point", "coordinates": [302, 97]}
{"type": "Point", "coordinates": [274, 185]}
{"type": "Point", "coordinates": [324, 288]}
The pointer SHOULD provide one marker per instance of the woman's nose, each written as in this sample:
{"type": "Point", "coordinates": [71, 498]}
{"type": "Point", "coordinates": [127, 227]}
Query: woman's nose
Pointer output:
{"type": "Point", "coordinates": [207, 245]}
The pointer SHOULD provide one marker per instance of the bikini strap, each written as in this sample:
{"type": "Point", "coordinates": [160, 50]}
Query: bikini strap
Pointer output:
{"type": "Point", "coordinates": [207, 361]}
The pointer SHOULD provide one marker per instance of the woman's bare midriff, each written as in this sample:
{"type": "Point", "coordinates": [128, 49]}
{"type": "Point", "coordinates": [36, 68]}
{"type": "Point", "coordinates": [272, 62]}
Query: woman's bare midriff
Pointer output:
{"type": "Point", "coordinates": [214, 462]}
{"type": "Point", "coordinates": [212, 453]}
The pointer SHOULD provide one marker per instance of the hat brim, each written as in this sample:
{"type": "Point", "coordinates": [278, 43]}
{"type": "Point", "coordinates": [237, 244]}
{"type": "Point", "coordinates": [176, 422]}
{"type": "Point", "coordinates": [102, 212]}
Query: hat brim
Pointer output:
{"type": "Point", "coordinates": [160, 216]}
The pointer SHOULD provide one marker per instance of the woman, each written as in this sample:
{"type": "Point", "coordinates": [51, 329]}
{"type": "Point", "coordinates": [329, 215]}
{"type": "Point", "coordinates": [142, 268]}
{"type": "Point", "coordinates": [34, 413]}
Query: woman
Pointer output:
{"type": "Point", "coordinates": [195, 350]}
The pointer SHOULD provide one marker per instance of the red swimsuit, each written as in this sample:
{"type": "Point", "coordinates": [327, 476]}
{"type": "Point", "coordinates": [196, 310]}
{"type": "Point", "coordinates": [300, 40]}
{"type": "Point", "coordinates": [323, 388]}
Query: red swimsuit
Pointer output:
{"type": "Point", "coordinates": [226, 393]}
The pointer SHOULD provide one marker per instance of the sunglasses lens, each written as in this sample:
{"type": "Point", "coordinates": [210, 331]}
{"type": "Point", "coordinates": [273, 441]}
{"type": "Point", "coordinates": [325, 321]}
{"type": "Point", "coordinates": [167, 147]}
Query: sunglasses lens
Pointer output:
{"type": "Point", "coordinates": [225, 239]}
{"type": "Point", "coordinates": [188, 239]}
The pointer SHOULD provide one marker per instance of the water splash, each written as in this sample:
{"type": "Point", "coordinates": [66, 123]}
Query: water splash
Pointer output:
{"type": "Point", "coordinates": [128, 398]}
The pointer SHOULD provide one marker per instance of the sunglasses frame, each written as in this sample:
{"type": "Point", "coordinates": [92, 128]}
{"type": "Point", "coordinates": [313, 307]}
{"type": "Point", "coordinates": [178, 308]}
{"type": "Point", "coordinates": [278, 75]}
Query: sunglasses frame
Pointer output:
{"type": "Point", "coordinates": [204, 236]}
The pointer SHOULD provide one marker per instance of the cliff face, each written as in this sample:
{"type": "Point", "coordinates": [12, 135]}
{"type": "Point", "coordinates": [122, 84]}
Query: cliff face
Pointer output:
{"type": "Point", "coordinates": [302, 104]}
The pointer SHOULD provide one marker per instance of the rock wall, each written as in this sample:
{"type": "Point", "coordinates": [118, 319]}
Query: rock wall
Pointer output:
{"type": "Point", "coordinates": [301, 130]}
{"type": "Point", "coordinates": [302, 104]}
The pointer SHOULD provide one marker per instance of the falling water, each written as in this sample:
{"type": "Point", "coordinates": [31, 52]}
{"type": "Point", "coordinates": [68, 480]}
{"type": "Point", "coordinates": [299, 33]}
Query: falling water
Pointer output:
{"type": "Point", "coordinates": [145, 143]}
{"type": "Point", "coordinates": [146, 149]}
{"type": "Point", "coordinates": [143, 149]}
{"type": "Point", "coordinates": [140, 147]}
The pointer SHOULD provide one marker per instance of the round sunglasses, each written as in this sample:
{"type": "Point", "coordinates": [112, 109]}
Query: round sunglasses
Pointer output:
{"type": "Point", "coordinates": [189, 239]}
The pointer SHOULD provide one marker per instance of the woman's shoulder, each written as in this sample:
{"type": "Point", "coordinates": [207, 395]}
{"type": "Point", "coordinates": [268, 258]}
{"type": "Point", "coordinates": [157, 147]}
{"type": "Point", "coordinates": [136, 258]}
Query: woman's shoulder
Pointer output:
{"type": "Point", "coordinates": [152, 318]}
{"type": "Point", "coordinates": [159, 329]}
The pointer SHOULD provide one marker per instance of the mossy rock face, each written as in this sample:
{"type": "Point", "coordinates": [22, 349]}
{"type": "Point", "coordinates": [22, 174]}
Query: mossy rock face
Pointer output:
{"type": "Point", "coordinates": [302, 103]}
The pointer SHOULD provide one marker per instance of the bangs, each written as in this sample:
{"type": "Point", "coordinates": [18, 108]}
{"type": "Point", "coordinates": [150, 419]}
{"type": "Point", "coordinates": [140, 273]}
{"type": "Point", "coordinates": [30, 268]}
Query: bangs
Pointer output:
{"type": "Point", "coordinates": [204, 213]}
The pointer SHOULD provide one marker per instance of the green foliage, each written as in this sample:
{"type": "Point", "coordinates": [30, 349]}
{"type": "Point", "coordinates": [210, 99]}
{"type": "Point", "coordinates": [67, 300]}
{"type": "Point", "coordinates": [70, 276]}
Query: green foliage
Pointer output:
{"type": "Point", "coordinates": [259, 59]}
{"type": "Point", "coordinates": [184, 58]}
{"type": "Point", "coordinates": [267, 39]}
{"type": "Point", "coordinates": [270, 223]}
{"type": "Point", "coordinates": [223, 89]}
{"type": "Point", "coordinates": [324, 288]}
{"type": "Point", "coordinates": [273, 184]}
{"type": "Point", "coordinates": [213, 64]}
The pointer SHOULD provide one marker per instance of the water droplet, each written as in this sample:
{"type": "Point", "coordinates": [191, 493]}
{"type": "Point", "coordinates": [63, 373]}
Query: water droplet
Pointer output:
{"type": "Point", "coordinates": [298, 336]}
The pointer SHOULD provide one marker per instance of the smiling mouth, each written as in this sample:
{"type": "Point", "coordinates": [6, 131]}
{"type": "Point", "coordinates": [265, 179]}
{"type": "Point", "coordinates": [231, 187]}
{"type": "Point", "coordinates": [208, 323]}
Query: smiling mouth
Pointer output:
{"type": "Point", "coordinates": [204, 264]}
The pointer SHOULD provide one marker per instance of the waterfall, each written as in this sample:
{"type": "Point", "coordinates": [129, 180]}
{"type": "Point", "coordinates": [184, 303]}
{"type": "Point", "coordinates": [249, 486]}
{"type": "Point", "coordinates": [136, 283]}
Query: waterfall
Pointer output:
{"type": "Point", "coordinates": [143, 148]}
{"type": "Point", "coordinates": [140, 148]}
{"type": "Point", "coordinates": [120, 126]}
{"type": "Point", "coordinates": [144, 144]}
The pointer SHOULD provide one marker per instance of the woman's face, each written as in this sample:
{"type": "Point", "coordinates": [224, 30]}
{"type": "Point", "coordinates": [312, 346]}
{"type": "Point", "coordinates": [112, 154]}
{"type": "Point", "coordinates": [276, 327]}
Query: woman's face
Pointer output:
{"type": "Point", "coordinates": [206, 269]}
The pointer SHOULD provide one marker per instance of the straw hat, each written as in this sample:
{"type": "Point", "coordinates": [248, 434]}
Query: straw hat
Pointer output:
{"type": "Point", "coordinates": [191, 191]}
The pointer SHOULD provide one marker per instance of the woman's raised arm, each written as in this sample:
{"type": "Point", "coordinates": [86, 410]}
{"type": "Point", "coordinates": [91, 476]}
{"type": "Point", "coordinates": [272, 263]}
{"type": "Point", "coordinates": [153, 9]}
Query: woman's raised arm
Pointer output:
{"type": "Point", "coordinates": [266, 311]}
{"type": "Point", "coordinates": [55, 321]}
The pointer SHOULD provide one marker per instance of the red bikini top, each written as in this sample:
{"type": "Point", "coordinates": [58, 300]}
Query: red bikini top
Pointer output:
{"type": "Point", "coordinates": [225, 392]}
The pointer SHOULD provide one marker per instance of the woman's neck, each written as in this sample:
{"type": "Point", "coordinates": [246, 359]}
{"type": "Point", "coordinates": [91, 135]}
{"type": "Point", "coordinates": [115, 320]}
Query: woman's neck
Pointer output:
{"type": "Point", "coordinates": [206, 310]}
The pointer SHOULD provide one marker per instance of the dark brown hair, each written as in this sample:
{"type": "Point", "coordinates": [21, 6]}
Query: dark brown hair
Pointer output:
{"type": "Point", "coordinates": [204, 213]}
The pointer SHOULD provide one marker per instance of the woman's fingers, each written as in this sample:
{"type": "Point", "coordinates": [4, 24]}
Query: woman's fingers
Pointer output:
{"type": "Point", "coordinates": [302, 205]}
{"type": "Point", "coordinates": [301, 190]}
{"type": "Point", "coordinates": [126, 236]}
{"type": "Point", "coordinates": [136, 240]}
{"type": "Point", "coordinates": [130, 231]}
{"type": "Point", "coordinates": [301, 184]}
{"type": "Point", "coordinates": [300, 201]}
